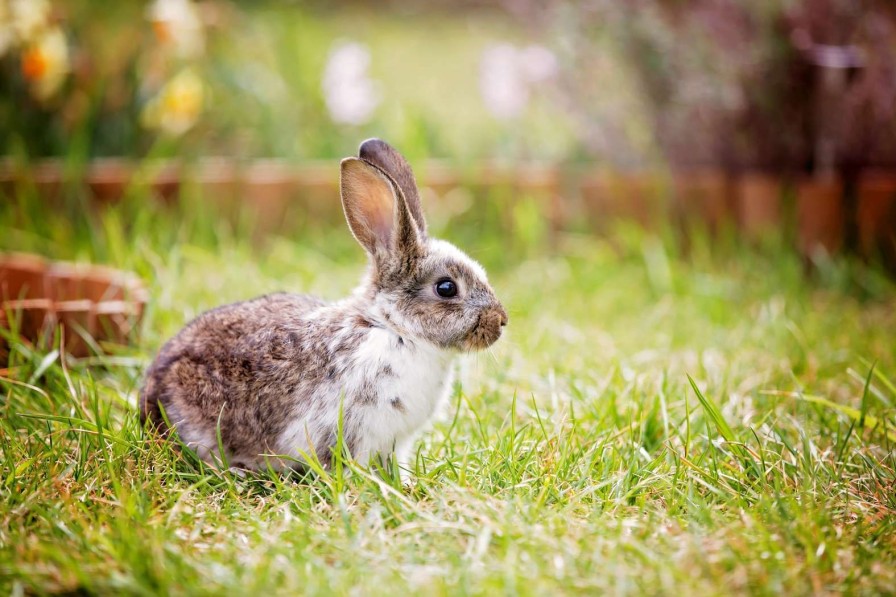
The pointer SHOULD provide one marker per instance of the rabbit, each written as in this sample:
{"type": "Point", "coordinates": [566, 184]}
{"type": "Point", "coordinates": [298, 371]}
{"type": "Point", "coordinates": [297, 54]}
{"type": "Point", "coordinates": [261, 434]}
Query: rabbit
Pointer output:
{"type": "Point", "coordinates": [268, 378]}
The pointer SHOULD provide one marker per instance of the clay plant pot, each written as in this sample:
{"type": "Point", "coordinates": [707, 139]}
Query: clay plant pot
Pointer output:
{"type": "Point", "coordinates": [22, 276]}
{"type": "Point", "coordinates": [165, 181]}
{"type": "Point", "coordinates": [45, 177]}
{"type": "Point", "coordinates": [876, 217]}
{"type": "Point", "coordinates": [94, 307]}
{"type": "Point", "coordinates": [706, 197]}
{"type": "Point", "coordinates": [23, 299]}
{"type": "Point", "coordinates": [506, 185]}
{"type": "Point", "coordinates": [32, 319]}
{"type": "Point", "coordinates": [446, 189]}
{"type": "Point", "coordinates": [267, 188]}
{"type": "Point", "coordinates": [544, 182]}
{"type": "Point", "coordinates": [759, 204]}
{"type": "Point", "coordinates": [494, 180]}
{"type": "Point", "coordinates": [820, 216]}
{"type": "Point", "coordinates": [317, 191]}
{"type": "Point", "coordinates": [638, 197]}
{"type": "Point", "coordinates": [439, 176]}
{"type": "Point", "coordinates": [218, 184]}
{"type": "Point", "coordinates": [108, 179]}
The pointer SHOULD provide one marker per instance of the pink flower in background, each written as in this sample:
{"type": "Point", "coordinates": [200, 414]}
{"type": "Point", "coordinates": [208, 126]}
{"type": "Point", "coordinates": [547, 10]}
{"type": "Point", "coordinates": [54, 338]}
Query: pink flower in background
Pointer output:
{"type": "Point", "coordinates": [507, 75]}
{"type": "Point", "coordinates": [501, 83]}
{"type": "Point", "coordinates": [537, 63]}
{"type": "Point", "coordinates": [177, 23]}
{"type": "Point", "coordinates": [350, 94]}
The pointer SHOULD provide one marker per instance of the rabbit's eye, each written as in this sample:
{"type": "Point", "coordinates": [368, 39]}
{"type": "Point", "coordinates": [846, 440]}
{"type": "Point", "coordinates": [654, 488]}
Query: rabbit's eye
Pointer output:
{"type": "Point", "coordinates": [446, 288]}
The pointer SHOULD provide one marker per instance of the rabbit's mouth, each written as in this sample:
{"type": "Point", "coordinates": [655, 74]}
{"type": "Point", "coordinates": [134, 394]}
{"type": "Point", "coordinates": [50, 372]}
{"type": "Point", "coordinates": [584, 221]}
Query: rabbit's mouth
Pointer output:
{"type": "Point", "coordinates": [487, 330]}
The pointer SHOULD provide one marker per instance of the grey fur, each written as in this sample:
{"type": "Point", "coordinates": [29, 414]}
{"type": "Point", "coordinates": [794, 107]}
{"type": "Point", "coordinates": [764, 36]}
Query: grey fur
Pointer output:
{"type": "Point", "coordinates": [251, 368]}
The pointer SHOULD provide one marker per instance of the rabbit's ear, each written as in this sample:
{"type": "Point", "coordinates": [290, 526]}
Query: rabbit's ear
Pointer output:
{"type": "Point", "coordinates": [376, 210]}
{"type": "Point", "coordinates": [385, 157]}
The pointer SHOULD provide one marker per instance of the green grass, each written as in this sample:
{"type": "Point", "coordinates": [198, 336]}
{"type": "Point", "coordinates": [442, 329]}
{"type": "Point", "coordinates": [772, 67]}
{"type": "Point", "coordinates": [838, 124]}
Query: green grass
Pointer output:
{"type": "Point", "coordinates": [574, 457]}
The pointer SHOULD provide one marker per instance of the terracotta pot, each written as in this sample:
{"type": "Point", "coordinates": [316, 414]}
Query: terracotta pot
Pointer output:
{"type": "Point", "coordinates": [613, 196]}
{"type": "Point", "coordinates": [218, 182]}
{"type": "Point", "coordinates": [876, 217]}
{"type": "Point", "coordinates": [703, 196]}
{"type": "Point", "coordinates": [45, 177]}
{"type": "Point", "coordinates": [544, 181]}
{"type": "Point", "coordinates": [439, 176]}
{"type": "Point", "coordinates": [317, 191]}
{"type": "Point", "coordinates": [166, 180]}
{"type": "Point", "coordinates": [108, 179]}
{"type": "Point", "coordinates": [117, 321]}
{"type": "Point", "coordinates": [506, 184]}
{"type": "Point", "coordinates": [36, 296]}
{"type": "Point", "coordinates": [22, 277]}
{"type": "Point", "coordinates": [447, 190]}
{"type": "Point", "coordinates": [759, 204]}
{"type": "Point", "coordinates": [820, 216]}
{"type": "Point", "coordinates": [33, 319]}
{"type": "Point", "coordinates": [267, 188]}
{"type": "Point", "coordinates": [76, 320]}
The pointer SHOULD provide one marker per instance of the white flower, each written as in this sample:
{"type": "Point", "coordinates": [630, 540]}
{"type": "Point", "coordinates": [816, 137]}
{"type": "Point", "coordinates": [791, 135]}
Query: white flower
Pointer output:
{"type": "Point", "coordinates": [351, 96]}
{"type": "Point", "coordinates": [29, 17]}
{"type": "Point", "coordinates": [45, 63]}
{"type": "Point", "coordinates": [22, 21]}
{"type": "Point", "coordinates": [507, 74]}
{"type": "Point", "coordinates": [177, 23]}
{"type": "Point", "coordinates": [177, 106]}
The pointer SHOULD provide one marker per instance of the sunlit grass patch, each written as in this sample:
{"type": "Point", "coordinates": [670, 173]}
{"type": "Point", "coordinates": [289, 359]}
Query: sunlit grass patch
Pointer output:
{"type": "Point", "coordinates": [575, 456]}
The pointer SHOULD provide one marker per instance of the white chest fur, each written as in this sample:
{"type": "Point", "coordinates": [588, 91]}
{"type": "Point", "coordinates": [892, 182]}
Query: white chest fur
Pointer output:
{"type": "Point", "coordinates": [395, 387]}
{"type": "Point", "coordinates": [390, 389]}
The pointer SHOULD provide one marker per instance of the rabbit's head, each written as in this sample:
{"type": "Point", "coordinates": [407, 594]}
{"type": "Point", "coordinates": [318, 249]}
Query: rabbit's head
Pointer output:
{"type": "Point", "coordinates": [422, 288]}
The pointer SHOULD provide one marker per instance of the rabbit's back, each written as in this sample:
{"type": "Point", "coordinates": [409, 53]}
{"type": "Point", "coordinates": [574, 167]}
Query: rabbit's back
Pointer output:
{"type": "Point", "coordinates": [236, 369]}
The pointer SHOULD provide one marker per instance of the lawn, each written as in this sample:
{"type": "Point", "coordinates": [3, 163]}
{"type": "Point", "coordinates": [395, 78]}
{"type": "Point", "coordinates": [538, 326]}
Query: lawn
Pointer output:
{"type": "Point", "coordinates": [652, 423]}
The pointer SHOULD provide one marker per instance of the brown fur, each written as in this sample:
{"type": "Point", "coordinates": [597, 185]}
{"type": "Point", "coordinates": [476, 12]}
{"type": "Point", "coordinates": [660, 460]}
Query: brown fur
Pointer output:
{"type": "Point", "coordinates": [251, 368]}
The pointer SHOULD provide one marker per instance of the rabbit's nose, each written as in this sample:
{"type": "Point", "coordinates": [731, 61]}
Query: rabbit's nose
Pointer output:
{"type": "Point", "coordinates": [502, 316]}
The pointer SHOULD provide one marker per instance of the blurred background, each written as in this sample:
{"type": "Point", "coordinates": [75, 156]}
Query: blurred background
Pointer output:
{"type": "Point", "coordinates": [774, 117]}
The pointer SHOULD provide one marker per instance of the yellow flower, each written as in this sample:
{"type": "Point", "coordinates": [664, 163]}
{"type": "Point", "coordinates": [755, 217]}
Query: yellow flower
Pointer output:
{"type": "Point", "coordinates": [177, 106]}
{"type": "Point", "coordinates": [45, 63]}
